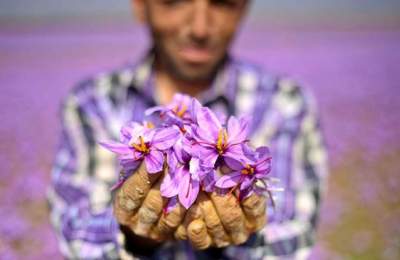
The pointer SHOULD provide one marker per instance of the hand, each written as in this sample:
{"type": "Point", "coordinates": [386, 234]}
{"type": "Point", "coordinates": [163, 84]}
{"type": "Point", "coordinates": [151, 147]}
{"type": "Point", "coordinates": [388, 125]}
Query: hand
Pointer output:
{"type": "Point", "coordinates": [214, 220]}
{"type": "Point", "coordinates": [138, 205]}
{"type": "Point", "coordinates": [220, 220]}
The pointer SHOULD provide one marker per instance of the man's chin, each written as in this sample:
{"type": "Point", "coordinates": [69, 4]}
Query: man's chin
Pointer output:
{"type": "Point", "coordinates": [197, 76]}
{"type": "Point", "coordinates": [195, 72]}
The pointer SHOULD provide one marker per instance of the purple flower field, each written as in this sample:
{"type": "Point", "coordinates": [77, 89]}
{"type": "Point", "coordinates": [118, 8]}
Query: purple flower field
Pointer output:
{"type": "Point", "coordinates": [355, 76]}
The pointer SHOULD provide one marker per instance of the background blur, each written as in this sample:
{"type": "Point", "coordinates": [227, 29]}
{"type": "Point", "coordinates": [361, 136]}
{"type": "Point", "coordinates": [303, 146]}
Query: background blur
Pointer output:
{"type": "Point", "coordinates": [347, 51]}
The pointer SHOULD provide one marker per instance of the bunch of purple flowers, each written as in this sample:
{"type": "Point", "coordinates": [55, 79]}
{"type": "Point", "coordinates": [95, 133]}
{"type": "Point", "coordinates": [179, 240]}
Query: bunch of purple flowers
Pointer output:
{"type": "Point", "coordinates": [199, 150]}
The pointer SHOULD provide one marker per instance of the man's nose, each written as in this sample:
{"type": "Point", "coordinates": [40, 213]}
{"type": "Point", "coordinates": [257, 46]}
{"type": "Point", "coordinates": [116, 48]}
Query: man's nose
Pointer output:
{"type": "Point", "coordinates": [200, 20]}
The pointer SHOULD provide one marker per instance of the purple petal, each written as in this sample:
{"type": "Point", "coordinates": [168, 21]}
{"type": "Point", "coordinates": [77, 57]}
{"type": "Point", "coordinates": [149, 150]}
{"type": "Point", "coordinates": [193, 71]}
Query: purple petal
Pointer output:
{"type": "Point", "coordinates": [188, 191]}
{"type": "Point", "coordinates": [261, 175]}
{"type": "Point", "coordinates": [209, 181]}
{"type": "Point", "coordinates": [172, 160]}
{"type": "Point", "coordinates": [172, 202]}
{"type": "Point", "coordinates": [194, 168]}
{"type": "Point", "coordinates": [153, 110]}
{"type": "Point", "coordinates": [235, 151]}
{"type": "Point", "coordinates": [245, 193]}
{"type": "Point", "coordinates": [264, 167]}
{"type": "Point", "coordinates": [221, 116]}
{"type": "Point", "coordinates": [189, 131]}
{"type": "Point", "coordinates": [186, 144]}
{"type": "Point", "coordinates": [208, 123]}
{"type": "Point", "coordinates": [263, 152]}
{"type": "Point", "coordinates": [234, 164]}
{"type": "Point", "coordinates": [132, 156]}
{"type": "Point", "coordinates": [248, 152]}
{"type": "Point", "coordinates": [165, 138]}
{"type": "Point", "coordinates": [116, 147]}
{"type": "Point", "coordinates": [117, 185]}
{"type": "Point", "coordinates": [208, 157]}
{"type": "Point", "coordinates": [177, 99]}
{"type": "Point", "coordinates": [186, 156]}
{"type": "Point", "coordinates": [126, 134]}
{"type": "Point", "coordinates": [203, 135]}
{"type": "Point", "coordinates": [180, 100]}
{"type": "Point", "coordinates": [130, 165]}
{"type": "Point", "coordinates": [229, 180]}
{"type": "Point", "coordinates": [246, 182]}
{"type": "Point", "coordinates": [195, 107]}
{"type": "Point", "coordinates": [263, 163]}
{"type": "Point", "coordinates": [178, 151]}
{"type": "Point", "coordinates": [171, 119]}
{"type": "Point", "coordinates": [237, 129]}
{"type": "Point", "coordinates": [170, 184]}
{"type": "Point", "coordinates": [148, 134]}
{"type": "Point", "coordinates": [154, 161]}
{"type": "Point", "coordinates": [137, 130]}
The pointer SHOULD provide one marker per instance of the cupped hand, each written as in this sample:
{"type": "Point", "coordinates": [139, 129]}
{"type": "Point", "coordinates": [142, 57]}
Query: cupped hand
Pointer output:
{"type": "Point", "coordinates": [221, 220]}
{"type": "Point", "coordinates": [217, 220]}
{"type": "Point", "coordinates": [138, 205]}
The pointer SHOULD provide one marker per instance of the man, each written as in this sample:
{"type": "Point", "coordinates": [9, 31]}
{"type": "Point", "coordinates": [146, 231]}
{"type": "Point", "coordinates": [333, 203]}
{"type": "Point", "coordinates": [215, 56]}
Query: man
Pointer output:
{"type": "Point", "coordinates": [191, 39]}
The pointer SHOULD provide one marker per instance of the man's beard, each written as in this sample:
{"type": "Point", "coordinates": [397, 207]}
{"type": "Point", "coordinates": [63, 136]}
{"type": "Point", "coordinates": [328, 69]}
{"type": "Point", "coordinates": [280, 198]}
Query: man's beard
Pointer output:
{"type": "Point", "coordinates": [177, 71]}
{"type": "Point", "coordinates": [189, 75]}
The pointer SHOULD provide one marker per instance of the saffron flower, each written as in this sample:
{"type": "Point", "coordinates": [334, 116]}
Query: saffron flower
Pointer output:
{"type": "Point", "coordinates": [212, 140]}
{"type": "Point", "coordinates": [176, 113]}
{"type": "Point", "coordinates": [196, 144]}
{"type": "Point", "coordinates": [143, 142]}
{"type": "Point", "coordinates": [247, 172]}
{"type": "Point", "coordinates": [183, 176]}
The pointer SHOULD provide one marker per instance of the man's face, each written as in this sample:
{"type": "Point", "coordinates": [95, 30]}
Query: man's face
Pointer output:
{"type": "Point", "coordinates": [191, 37]}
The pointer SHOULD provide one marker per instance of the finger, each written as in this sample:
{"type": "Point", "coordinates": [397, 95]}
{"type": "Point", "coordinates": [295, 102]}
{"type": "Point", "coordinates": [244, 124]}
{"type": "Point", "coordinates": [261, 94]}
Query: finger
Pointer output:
{"type": "Point", "coordinates": [133, 221]}
{"type": "Point", "coordinates": [150, 211]}
{"type": "Point", "coordinates": [254, 208]}
{"type": "Point", "coordinates": [120, 213]}
{"type": "Point", "coordinates": [168, 222]}
{"type": "Point", "coordinates": [156, 235]}
{"type": "Point", "coordinates": [180, 233]}
{"type": "Point", "coordinates": [135, 189]}
{"type": "Point", "coordinates": [193, 213]}
{"type": "Point", "coordinates": [213, 222]}
{"type": "Point", "coordinates": [231, 216]}
{"type": "Point", "coordinates": [197, 234]}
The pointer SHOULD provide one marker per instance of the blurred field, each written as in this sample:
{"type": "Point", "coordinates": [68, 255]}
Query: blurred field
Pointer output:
{"type": "Point", "coordinates": [354, 74]}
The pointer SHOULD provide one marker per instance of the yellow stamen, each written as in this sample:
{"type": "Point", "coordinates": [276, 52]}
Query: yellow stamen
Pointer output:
{"type": "Point", "coordinates": [142, 147]}
{"type": "Point", "coordinates": [149, 125]}
{"type": "Point", "coordinates": [222, 140]}
{"type": "Point", "coordinates": [248, 170]}
{"type": "Point", "coordinates": [182, 111]}
{"type": "Point", "coordinates": [225, 136]}
{"type": "Point", "coordinates": [142, 144]}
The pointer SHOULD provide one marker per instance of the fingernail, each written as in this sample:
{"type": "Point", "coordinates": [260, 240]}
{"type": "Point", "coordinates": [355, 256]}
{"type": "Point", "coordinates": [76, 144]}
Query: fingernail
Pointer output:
{"type": "Point", "coordinates": [142, 229]}
{"type": "Point", "coordinates": [130, 204]}
{"type": "Point", "coordinates": [239, 237]}
{"type": "Point", "coordinates": [221, 243]}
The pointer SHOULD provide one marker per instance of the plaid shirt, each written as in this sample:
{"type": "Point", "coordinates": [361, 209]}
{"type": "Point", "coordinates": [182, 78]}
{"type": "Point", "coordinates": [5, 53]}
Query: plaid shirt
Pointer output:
{"type": "Point", "coordinates": [283, 117]}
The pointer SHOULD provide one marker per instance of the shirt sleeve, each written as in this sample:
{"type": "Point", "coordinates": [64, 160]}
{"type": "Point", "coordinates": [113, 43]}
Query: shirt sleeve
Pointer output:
{"type": "Point", "coordinates": [300, 151]}
{"type": "Point", "coordinates": [85, 229]}
{"type": "Point", "coordinates": [292, 233]}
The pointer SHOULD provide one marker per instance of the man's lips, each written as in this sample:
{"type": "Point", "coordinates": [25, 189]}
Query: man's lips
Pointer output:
{"type": "Point", "coordinates": [195, 55]}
